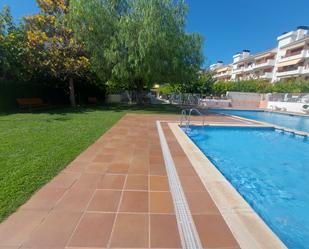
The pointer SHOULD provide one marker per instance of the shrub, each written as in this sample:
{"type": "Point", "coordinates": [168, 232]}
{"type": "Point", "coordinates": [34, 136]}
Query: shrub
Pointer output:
{"type": "Point", "coordinates": [260, 86]}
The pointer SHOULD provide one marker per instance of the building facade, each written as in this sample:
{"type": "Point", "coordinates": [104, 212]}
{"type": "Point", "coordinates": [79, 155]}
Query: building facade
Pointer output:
{"type": "Point", "coordinates": [290, 59]}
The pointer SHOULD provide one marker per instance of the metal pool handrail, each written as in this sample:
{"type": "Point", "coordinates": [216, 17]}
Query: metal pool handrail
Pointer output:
{"type": "Point", "coordinates": [187, 116]}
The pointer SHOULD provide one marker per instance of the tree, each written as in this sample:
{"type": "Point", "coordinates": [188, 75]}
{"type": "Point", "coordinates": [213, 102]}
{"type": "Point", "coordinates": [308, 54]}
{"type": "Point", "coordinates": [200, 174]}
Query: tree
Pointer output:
{"type": "Point", "coordinates": [53, 46]}
{"type": "Point", "coordinates": [202, 85]}
{"type": "Point", "coordinates": [13, 49]}
{"type": "Point", "coordinates": [140, 42]}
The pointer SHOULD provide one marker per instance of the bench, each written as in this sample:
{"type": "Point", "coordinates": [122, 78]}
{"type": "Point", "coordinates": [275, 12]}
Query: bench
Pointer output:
{"type": "Point", "coordinates": [28, 103]}
{"type": "Point", "coordinates": [92, 100]}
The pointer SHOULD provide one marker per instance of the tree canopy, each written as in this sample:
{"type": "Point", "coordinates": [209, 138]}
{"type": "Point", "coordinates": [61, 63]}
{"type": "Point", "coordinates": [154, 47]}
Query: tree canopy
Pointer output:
{"type": "Point", "coordinates": [13, 50]}
{"type": "Point", "coordinates": [53, 46]}
{"type": "Point", "coordinates": [137, 43]}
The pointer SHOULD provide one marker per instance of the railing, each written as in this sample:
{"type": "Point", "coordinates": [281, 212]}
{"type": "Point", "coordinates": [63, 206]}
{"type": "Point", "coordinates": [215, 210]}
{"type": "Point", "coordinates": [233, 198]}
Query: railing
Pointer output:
{"type": "Point", "coordinates": [290, 72]}
{"type": "Point", "coordinates": [238, 70]}
{"type": "Point", "coordinates": [186, 115]}
{"type": "Point", "coordinates": [185, 99]}
{"type": "Point", "coordinates": [269, 62]}
{"type": "Point", "coordinates": [302, 54]}
{"type": "Point", "coordinates": [267, 75]}
{"type": "Point", "coordinates": [289, 97]}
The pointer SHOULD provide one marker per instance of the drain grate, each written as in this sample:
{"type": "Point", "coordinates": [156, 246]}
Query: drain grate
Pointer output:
{"type": "Point", "coordinates": [187, 230]}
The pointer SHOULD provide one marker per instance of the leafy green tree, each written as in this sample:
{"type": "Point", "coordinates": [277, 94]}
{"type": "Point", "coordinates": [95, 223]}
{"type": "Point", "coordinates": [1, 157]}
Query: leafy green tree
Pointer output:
{"type": "Point", "coordinates": [203, 84]}
{"type": "Point", "coordinates": [53, 47]}
{"type": "Point", "coordinates": [13, 49]}
{"type": "Point", "coordinates": [138, 43]}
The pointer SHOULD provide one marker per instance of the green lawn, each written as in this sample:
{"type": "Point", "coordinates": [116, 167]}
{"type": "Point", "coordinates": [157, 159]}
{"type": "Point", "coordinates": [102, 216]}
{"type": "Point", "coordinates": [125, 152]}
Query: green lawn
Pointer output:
{"type": "Point", "coordinates": [34, 147]}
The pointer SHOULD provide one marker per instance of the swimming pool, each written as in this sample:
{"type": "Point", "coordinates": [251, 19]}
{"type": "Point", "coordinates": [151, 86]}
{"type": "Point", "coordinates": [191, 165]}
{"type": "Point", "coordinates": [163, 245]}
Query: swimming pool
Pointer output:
{"type": "Point", "coordinates": [296, 122]}
{"type": "Point", "coordinates": [269, 169]}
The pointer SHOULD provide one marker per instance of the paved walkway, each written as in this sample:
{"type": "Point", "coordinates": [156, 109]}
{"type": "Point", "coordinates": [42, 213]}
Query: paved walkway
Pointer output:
{"type": "Point", "coordinates": [116, 195]}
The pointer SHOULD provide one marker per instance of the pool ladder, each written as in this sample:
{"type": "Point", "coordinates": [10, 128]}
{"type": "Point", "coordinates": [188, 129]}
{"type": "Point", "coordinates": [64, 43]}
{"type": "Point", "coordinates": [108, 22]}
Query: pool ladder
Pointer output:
{"type": "Point", "coordinates": [186, 116]}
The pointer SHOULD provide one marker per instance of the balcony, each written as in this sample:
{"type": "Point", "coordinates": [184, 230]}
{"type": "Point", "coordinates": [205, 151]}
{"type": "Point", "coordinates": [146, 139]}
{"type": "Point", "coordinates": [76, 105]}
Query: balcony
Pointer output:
{"type": "Point", "coordinates": [267, 76]}
{"type": "Point", "coordinates": [295, 72]}
{"type": "Point", "coordinates": [238, 70]}
{"type": "Point", "coordinates": [223, 75]}
{"type": "Point", "coordinates": [268, 63]}
{"type": "Point", "coordinates": [302, 54]}
{"type": "Point", "coordinates": [306, 70]}
{"type": "Point", "coordinates": [249, 68]}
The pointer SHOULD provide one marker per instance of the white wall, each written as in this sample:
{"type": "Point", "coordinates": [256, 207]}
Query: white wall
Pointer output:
{"type": "Point", "coordinates": [290, 107]}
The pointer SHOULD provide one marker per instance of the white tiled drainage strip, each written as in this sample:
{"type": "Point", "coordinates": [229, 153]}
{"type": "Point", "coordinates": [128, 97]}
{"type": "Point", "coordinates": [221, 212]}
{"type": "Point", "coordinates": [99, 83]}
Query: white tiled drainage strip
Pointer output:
{"type": "Point", "coordinates": [187, 230]}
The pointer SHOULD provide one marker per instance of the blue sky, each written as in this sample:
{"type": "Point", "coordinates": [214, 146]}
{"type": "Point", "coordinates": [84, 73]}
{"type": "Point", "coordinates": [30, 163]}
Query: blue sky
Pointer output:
{"type": "Point", "coordinates": [228, 26]}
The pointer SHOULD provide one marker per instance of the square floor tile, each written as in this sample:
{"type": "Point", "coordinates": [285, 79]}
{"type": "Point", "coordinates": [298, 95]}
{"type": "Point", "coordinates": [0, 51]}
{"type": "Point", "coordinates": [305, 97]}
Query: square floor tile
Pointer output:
{"type": "Point", "coordinates": [214, 232]}
{"type": "Point", "coordinates": [161, 202]}
{"type": "Point", "coordinates": [186, 171]}
{"type": "Point", "coordinates": [75, 199]}
{"type": "Point", "coordinates": [131, 231]}
{"type": "Point", "coordinates": [45, 199]}
{"type": "Point", "coordinates": [94, 230]}
{"type": "Point", "coordinates": [55, 230]}
{"type": "Point", "coordinates": [159, 183]}
{"type": "Point", "coordinates": [64, 180]}
{"type": "Point", "coordinates": [138, 169]}
{"type": "Point", "coordinates": [157, 169]}
{"type": "Point", "coordinates": [134, 201]}
{"type": "Point", "coordinates": [164, 231]}
{"type": "Point", "coordinates": [191, 183]}
{"type": "Point", "coordinates": [96, 168]}
{"type": "Point", "coordinates": [89, 181]}
{"type": "Point", "coordinates": [110, 181]}
{"type": "Point", "coordinates": [201, 203]}
{"type": "Point", "coordinates": [137, 182]}
{"type": "Point", "coordinates": [105, 201]}
{"type": "Point", "coordinates": [104, 158]}
{"type": "Point", "coordinates": [118, 168]}
{"type": "Point", "coordinates": [18, 227]}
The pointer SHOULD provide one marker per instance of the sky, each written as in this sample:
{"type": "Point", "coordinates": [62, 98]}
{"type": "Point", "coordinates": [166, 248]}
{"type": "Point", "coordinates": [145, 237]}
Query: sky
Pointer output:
{"type": "Point", "coordinates": [228, 26]}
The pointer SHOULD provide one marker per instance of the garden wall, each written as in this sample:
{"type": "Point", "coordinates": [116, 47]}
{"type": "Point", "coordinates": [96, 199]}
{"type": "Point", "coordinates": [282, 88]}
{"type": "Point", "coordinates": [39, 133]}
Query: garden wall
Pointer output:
{"type": "Point", "coordinates": [245, 100]}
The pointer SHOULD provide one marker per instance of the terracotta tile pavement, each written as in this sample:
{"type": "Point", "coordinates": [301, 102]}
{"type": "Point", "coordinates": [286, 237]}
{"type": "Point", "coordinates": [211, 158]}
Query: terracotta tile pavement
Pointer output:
{"type": "Point", "coordinates": [116, 195]}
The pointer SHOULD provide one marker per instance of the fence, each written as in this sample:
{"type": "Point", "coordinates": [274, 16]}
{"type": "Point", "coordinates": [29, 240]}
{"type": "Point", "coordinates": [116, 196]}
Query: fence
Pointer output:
{"type": "Point", "coordinates": [288, 97]}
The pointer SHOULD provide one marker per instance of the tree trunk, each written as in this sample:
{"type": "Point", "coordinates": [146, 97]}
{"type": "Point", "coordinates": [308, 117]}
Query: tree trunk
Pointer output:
{"type": "Point", "coordinates": [72, 92]}
{"type": "Point", "coordinates": [139, 92]}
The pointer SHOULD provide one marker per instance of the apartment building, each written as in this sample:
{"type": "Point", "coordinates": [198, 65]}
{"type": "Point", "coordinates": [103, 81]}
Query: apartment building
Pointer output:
{"type": "Point", "coordinates": [290, 59]}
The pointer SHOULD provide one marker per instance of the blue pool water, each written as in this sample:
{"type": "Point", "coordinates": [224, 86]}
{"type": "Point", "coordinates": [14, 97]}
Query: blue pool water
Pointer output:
{"type": "Point", "coordinates": [269, 169]}
{"type": "Point", "coordinates": [296, 122]}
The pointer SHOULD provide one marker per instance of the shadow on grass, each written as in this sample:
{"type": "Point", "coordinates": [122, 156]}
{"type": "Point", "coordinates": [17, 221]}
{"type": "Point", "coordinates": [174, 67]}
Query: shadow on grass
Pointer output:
{"type": "Point", "coordinates": [125, 108]}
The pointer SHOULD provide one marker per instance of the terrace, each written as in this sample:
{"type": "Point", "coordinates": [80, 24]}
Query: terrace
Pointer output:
{"type": "Point", "coordinates": [118, 193]}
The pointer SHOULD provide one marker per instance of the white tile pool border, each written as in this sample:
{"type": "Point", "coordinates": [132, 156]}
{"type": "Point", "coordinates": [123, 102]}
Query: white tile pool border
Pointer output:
{"type": "Point", "coordinates": [297, 132]}
{"type": "Point", "coordinates": [187, 230]}
{"type": "Point", "coordinates": [247, 227]}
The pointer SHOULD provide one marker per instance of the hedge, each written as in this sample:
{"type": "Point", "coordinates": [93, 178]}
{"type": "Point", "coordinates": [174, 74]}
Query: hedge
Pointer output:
{"type": "Point", "coordinates": [259, 86]}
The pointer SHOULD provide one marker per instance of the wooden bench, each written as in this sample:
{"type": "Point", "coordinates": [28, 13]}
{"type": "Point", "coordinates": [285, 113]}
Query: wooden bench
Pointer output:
{"type": "Point", "coordinates": [92, 100]}
{"type": "Point", "coordinates": [28, 103]}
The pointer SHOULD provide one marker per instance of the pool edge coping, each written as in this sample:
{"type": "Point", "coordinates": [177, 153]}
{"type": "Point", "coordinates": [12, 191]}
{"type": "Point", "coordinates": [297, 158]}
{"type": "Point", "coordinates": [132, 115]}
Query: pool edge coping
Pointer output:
{"type": "Point", "coordinates": [266, 124]}
{"type": "Point", "coordinates": [248, 228]}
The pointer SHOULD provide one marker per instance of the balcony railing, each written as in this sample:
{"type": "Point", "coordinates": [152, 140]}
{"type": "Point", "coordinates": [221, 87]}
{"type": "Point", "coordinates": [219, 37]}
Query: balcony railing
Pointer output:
{"type": "Point", "coordinates": [249, 68]}
{"type": "Point", "coordinates": [267, 75]}
{"type": "Point", "coordinates": [306, 69]}
{"type": "Point", "coordinates": [238, 70]}
{"type": "Point", "coordinates": [268, 63]}
{"type": "Point", "coordinates": [302, 54]}
{"type": "Point", "coordinates": [223, 74]}
{"type": "Point", "coordinates": [297, 71]}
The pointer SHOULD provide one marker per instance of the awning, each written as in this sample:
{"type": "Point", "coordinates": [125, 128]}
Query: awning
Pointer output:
{"type": "Point", "coordinates": [223, 69]}
{"type": "Point", "coordinates": [295, 45]}
{"type": "Point", "coordinates": [289, 63]}
{"type": "Point", "coordinates": [264, 55]}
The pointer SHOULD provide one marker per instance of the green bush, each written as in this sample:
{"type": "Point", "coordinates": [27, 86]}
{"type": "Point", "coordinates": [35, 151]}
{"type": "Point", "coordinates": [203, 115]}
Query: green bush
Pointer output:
{"type": "Point", "coordinates": [291, 86]}
{"type": "Point", "coordinates": [260, 86]}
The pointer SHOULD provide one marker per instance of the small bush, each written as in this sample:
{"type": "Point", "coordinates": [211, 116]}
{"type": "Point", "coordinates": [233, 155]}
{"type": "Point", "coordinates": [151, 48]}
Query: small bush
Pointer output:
{"type": "Point", "coordinates": [260, 86]}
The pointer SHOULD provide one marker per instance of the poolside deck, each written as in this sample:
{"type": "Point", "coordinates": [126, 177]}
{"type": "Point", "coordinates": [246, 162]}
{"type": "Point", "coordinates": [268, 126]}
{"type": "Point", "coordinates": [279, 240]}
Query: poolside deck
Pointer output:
{"type": "Point", "coordinates": [116, 195]}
